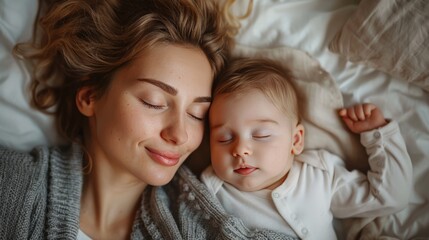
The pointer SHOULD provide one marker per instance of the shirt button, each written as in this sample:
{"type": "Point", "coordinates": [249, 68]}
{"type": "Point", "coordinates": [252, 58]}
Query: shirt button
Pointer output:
{"type": "Point", "coordinates": [304, 231]}
{"type": "Point", "coordinates": [294, 216]}
{"type": "Point", "coordinates": [276, 195]}
{"type": "Point", "coordinates": [377, 135]}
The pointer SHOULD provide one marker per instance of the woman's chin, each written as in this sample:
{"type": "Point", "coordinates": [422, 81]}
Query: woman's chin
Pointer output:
{"type": "Point", "coordinates": [161, 179]}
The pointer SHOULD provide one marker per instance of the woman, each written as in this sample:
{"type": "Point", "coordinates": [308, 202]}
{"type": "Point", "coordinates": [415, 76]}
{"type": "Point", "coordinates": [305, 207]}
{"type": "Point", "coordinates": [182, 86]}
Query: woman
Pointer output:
{"type": "Point", "coordinates": [129, 84]}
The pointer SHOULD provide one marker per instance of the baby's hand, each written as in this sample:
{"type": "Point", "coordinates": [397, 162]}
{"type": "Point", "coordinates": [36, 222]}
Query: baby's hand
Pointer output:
{"type": "Point", "coordinates": [362, 117]}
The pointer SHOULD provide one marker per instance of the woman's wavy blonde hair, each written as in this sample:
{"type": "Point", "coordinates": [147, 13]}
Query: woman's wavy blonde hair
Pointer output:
{"type": "Point", "coordinates": [82, 43]}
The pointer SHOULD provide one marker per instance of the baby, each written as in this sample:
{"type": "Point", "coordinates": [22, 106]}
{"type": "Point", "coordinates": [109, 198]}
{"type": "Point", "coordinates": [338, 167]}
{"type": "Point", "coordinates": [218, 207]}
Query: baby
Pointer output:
{"type": "Point", "coordinates": [261, 173]}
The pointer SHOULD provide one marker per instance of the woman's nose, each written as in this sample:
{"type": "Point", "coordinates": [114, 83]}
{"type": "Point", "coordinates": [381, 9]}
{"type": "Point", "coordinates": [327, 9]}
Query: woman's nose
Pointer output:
{"type": "Point", "coordinates": [241, 148]}
{"type": "Point", "coordinates": [175, 130]}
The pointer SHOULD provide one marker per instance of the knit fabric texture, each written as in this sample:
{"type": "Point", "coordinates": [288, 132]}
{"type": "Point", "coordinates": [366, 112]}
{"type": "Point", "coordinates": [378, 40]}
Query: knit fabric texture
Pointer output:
{"type": "Point", "coordinates": [40, 199]}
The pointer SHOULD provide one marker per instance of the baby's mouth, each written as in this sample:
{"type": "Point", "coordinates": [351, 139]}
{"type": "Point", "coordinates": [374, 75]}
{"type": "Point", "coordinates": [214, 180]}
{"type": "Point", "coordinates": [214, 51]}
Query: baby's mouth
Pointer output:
{"type": "Point", "coordinates": [245, 170]}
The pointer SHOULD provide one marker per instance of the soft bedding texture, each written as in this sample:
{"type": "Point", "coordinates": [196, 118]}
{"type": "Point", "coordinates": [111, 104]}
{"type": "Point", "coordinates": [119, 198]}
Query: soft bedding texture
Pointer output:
{"type": "Point", "coordinates": [392, 36]}
{"type": "Point", "coordinates": [21, 127]}
{"type": "Point", "coordinates": [298, 33]}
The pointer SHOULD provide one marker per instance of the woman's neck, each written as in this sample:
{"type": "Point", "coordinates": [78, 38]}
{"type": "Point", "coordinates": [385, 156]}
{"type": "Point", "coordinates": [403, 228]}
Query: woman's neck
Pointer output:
{"type": "Point", "coordinates": [109, 202]}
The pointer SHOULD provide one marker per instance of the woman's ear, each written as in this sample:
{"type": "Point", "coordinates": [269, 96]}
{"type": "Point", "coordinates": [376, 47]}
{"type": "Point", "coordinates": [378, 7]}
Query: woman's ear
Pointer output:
{"type": "Point", "coordinates": [85, 101]}
{"type": "Point", "coordinates": [298, 139]}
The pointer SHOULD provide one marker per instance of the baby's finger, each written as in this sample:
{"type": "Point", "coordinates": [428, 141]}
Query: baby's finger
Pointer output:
{"type": "Point", "coordinates": [348, 122]}
{"type": "Point", "coordinates": [342, 112]}
{"type": "Point", "coordinates": [351, 114]}
{"type": "Point", "coordinates": [367, 108]}
{"type": "Point", "coordinates": [359, 112]}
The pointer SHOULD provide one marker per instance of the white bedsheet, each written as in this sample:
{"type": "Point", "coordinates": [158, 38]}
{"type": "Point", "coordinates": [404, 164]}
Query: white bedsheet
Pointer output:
{"type": "Point", "coordinates": [309, 25]}
{"type": "Point", "coordinates": [21, 127]}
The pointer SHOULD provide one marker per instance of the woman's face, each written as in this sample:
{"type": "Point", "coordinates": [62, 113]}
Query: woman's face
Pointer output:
{"type": "Point", "coordinates": [151, 117]}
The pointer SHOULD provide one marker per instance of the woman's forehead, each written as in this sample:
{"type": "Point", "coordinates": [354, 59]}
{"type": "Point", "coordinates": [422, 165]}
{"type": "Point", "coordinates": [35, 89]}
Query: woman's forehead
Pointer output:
{"type": "Point", "coordinates": [181, 68]}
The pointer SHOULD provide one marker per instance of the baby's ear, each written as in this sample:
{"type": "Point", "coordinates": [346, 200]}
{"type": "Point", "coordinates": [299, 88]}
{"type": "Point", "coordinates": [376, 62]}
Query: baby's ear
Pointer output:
{"type": "Point", "coordinates": [85, 101]}
{"type": "Point", "coordinates": [298, 139]}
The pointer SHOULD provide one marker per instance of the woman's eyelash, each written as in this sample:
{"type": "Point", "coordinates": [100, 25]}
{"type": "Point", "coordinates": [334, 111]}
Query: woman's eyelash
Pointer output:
{"type": "Point", "coordinates": [196, 118]}
{"type": "Point", "coordinates": [151, 105]}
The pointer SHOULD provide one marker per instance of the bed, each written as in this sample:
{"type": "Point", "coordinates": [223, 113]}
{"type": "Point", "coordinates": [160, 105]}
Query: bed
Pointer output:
{"type": "Point", "coordinates": [341, 51]}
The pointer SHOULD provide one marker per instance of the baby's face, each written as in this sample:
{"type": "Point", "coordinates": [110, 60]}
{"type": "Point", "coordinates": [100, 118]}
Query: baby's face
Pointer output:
{"type": "Point", "coordinates": [251, 141]}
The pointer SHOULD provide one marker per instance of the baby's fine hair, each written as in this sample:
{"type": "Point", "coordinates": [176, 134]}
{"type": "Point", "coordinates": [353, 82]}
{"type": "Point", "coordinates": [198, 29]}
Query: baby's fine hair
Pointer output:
{"type": "Point", "coordinates": [275, 81]}
{"type": "Point", "coordinates": [82, 43]}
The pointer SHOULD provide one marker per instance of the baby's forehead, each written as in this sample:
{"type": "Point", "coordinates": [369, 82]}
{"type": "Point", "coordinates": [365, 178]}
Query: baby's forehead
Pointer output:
{"type": "Point", "coordinates": [239, 94]}
{"type": "Point", "coordinates": [285, 106]}
{"type": "Point", "coordinates": [253, 99]}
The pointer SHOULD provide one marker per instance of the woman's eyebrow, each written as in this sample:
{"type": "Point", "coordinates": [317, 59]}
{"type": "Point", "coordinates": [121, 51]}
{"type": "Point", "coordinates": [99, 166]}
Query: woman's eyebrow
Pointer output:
{"type": "Point", "coordinates": [165, 87]}
{"type": "Point", "coordinates": [171, 90]}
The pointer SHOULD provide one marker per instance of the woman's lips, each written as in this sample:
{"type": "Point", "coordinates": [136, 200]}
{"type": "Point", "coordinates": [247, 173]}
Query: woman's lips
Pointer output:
{"type": "Point", "coordinates": [164, 158]}
{"type": "Point", "coordinates": [245, 170]}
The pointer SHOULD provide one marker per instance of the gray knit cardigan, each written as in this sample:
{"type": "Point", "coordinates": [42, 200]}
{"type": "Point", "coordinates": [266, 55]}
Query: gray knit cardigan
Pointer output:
{"type": "Point", "coordinates": [40, 199]}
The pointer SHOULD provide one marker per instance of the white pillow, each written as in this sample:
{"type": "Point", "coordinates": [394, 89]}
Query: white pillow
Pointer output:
{"type": "Point", "coordinates": [21, 127]}
{"type": "Point", "coordinates": [391, 36]}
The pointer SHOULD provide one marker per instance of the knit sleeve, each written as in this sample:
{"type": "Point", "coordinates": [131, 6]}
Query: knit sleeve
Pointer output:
{"type": "Point", "coordinates": [21, 195]}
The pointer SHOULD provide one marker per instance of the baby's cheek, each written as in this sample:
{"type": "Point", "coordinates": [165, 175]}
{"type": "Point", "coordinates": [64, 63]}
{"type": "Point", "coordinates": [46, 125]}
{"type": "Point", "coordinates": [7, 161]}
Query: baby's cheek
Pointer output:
{"type": "Point", "coordinates": [221, 160]}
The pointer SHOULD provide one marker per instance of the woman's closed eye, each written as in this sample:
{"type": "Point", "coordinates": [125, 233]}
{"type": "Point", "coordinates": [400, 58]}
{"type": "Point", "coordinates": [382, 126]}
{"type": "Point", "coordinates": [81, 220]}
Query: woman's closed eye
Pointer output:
{"type": "Point", "coordinates": [198, 111]}
{"type": "Point", "coordinates": [198, 118]}
{"type": "Point", "coordinates": [152, 105]}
